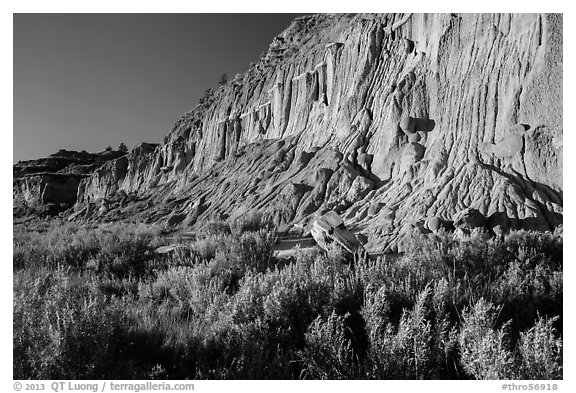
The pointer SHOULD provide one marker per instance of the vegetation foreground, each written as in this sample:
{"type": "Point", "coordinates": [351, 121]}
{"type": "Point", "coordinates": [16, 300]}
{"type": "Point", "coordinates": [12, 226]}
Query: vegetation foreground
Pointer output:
{"type": "Point", "coordinates": [100, 304]}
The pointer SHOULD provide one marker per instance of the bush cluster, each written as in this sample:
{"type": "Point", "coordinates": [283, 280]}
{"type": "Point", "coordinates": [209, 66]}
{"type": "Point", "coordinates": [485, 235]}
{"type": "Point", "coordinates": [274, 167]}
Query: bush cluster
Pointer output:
{"type": "Point", "coordinates": [99, 303]}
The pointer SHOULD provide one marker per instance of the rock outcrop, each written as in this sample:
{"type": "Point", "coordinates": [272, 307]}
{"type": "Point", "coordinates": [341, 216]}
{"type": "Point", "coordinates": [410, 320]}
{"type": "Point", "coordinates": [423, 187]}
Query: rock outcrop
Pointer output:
{"type": "Point", "coordinates": [54, 180]}
{"type": "Point", "coordinates": [44, 188]}
{"type": "Point", "coordinates": [329, 230]}
{"type": "Point", "coordinates": [398, 122]}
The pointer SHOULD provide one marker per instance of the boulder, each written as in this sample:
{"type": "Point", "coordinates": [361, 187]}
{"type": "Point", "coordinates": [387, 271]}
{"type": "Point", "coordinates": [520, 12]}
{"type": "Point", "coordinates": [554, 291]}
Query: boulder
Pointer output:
{"type": "Point", "coordinates": [330, 229]}
{"type": "Point", "coordinates": [469, 218]}
{"type": "Point", "coordinates": [436, 223]}
{"type": "Point", "coordinates": [360, 187]}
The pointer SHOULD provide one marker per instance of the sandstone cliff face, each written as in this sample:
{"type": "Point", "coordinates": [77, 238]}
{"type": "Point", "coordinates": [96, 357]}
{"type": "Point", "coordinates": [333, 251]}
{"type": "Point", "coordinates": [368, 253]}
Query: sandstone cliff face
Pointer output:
{"type": "Point", "coordinates": [394, 121]}
{"type": "Point", "coordinates": [34, 191]}
{"type": "Point", "coordinates": [53, 180]}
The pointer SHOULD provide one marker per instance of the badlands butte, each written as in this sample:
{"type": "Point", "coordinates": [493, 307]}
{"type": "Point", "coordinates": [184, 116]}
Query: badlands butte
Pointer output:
{"type": "Point", "coordinates": [397, 122]}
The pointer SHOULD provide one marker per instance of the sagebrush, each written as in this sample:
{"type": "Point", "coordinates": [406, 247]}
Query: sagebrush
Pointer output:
{"type": "Point", "coordinates": [100, 303]}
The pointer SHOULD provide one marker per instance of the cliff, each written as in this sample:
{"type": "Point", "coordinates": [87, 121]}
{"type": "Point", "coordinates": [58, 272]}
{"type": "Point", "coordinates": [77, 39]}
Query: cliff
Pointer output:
{"type": "Point", "coordinates": [50, 185]}
{"type": "Point", "coordinates": [399, 122]}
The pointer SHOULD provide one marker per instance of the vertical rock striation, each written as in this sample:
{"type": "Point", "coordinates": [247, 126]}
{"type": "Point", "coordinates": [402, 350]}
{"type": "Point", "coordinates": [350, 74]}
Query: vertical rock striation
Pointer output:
{"type": "Point", "coordinates": [392, 120]}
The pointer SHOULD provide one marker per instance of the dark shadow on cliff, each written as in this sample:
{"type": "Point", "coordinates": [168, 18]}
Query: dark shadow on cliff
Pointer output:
{"type": "Point", "coordinates": [426, 125]}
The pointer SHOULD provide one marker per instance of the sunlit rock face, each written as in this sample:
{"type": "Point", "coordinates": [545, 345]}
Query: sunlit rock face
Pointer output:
{"type": "Point", "coordinates": [393, 121]}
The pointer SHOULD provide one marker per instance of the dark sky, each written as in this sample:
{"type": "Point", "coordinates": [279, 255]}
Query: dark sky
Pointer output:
{"type": "Point", "coordinates": [86, 81]}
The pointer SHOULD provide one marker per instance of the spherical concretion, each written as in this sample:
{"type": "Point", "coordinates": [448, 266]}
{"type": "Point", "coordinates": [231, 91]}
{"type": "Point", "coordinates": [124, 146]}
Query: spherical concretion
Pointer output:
{"type": "Point", "coordinates": [434, 224]}
{"type": "Point", "coordinates": [407, 124]}
{"type": "Point", "coordinates": [415, 137]}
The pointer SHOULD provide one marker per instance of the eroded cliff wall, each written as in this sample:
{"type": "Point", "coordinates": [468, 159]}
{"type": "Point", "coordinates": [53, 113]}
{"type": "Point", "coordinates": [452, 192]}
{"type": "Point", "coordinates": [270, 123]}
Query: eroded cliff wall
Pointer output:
{"type": "Point", "coordinates": [392, 120]}
{"type": "Point", "coordinates": [53, 180]}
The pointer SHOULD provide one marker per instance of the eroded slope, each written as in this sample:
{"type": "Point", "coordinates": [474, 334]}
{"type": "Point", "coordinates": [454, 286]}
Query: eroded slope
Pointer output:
{"type": "Point", "coordinates": [394, 121]}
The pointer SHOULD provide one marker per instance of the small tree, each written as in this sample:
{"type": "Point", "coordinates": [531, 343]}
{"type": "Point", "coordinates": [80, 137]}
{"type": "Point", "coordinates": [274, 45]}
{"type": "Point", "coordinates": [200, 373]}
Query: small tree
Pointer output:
{"type": "Point", "coordinates": [208, 93]}
{"type": "Point", "coordinates": [223, 79]}
{"type": "Point", "coordinates": [122, 148]}
{"type": "Point", "coordinates": [109, 149]}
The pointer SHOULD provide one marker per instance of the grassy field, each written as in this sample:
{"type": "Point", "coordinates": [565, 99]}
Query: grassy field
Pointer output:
{"type": "Point", "coordinates": [100, 304]}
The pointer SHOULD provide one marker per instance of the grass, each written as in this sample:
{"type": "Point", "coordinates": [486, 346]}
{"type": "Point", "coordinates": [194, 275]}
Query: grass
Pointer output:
{"type": "Point", "coordinates": [100, 304]}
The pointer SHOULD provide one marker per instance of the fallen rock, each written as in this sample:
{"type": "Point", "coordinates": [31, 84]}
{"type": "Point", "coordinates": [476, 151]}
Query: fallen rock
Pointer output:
{"type": "Point", "coordinates": [330, 229]}
{"type": "Point", "coordinates": [469, 218]}
{"type": "Point", "coordinates": [436, 223]}
{"type": "Point", "coordinates": [168, 249]}
{"type": "Point", "coordinates": [359, 189]}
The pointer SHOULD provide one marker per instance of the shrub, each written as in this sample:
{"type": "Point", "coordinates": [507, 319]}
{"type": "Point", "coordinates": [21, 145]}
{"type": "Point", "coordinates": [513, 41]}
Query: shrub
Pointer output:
{"type": "Point", "coordinates": [64, 328]}
{"type": "Point", "coordinates": [415, 349]}
{"type": "Point", "coordinates": [112, 249]}
{"type": "Point", "coordinates": [98, 303]}
{"type": "Point", "coordinates": [251, 221]}
{"type": "Point", "coordinates": [485, 349]}
{"type": "Point", "coordinates": [541, 351]}
{"type": "Point", "coordinates": [328, 353]}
